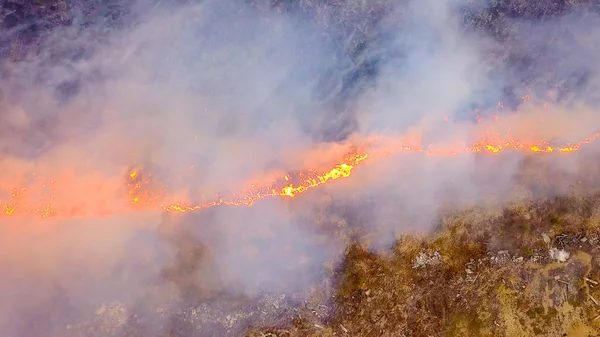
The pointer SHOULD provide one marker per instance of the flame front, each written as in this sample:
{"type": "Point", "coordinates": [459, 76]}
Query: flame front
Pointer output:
{"type": "Point", "coordinates": [142, 195]}
{"type": "Point", "coordinates": [306, 181]}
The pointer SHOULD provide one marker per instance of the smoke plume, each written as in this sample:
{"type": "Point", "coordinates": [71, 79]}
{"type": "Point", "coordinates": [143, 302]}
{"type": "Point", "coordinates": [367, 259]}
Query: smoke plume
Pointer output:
{"type": "Point", "coordinates": [212, 96]}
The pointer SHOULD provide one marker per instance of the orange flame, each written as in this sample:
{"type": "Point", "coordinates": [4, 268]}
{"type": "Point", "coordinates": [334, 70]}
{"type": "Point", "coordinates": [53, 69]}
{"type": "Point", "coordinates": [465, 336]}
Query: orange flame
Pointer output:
{"type": "Point", "coordinates": [306, 181]}
{"type": "Point", "coordinates": [142, 195]}
{"type": "Point", "coordinates": [314, 179]}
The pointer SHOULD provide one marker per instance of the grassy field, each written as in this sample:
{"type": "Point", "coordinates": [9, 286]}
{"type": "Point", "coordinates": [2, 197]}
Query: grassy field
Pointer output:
{"type": "Point", "coordinates": [483, 272]}
{"type": "Point", "coordinates": [528, 268]}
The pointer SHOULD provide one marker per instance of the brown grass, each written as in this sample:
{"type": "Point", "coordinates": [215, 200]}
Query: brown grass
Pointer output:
{"type": "Point", "coordinates": [511, 287]}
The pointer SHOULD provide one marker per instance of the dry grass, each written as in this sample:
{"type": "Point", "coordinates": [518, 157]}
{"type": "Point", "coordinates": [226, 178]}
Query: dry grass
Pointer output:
{"type": "Point", "coordinates": [495, 277]}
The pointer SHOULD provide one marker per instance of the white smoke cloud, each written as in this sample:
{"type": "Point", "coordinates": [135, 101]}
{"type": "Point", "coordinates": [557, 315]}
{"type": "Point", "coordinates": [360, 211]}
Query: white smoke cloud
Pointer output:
{"type": "Point", "coordinates": [212, 96]}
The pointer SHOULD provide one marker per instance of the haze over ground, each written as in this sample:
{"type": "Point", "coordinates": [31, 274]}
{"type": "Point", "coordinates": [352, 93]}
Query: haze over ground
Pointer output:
{"type": "Point", "coordinates": [248, 91]}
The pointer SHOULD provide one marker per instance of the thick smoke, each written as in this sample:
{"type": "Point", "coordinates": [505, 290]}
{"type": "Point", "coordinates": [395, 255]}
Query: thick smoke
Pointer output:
{"type": "Point", "coordinates": [211, 96]}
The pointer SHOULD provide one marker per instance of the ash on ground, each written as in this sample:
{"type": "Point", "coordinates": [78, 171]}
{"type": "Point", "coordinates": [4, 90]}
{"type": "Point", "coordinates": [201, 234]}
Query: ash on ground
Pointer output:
{"type": "Point", "coordinates": [224, 317]}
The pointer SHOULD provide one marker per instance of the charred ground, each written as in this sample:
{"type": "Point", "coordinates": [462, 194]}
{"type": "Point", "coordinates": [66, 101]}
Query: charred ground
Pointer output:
{"type": "Point", "coordinates": [484, 271]}
{"type": "Point", "coordinates": [522, 62]}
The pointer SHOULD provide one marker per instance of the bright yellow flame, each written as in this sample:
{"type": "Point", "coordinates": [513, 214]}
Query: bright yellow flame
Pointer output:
{"type": "Point", "coordinates": [345, 169]}
{"type": "Point", "coordinates": [494, 149]}
{"type": "Point", "coordinates": [306, 182]}
{"type": "Point", "coordinates": [142, 194]}
{"type": "Point", "coordinates": [8, 210]}
{"type": "Point", "coordinates": [568, 149]}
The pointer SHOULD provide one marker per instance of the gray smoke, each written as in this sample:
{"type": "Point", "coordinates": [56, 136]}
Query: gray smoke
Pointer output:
{"type": "Point", "coordinates": [212, 96]}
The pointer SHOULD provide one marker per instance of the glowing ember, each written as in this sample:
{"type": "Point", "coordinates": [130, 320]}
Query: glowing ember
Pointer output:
{"type": "Point", "coordinates": [143, 195]}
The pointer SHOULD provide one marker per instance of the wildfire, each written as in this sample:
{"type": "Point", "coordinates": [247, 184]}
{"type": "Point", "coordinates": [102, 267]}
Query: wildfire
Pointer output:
{"type": "Point", "coordinates": [142, 194]}
{"type": "Point", "coordinates": [306, 181]}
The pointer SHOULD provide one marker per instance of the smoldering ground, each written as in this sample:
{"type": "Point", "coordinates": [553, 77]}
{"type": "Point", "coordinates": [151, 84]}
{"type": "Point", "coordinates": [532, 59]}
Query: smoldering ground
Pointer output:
{"type": "Point", "coordinates": [212, 96]}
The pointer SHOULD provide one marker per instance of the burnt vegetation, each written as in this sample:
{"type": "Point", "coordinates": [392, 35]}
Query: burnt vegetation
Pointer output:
{"type": "Point", "coordinates": [483, 272]}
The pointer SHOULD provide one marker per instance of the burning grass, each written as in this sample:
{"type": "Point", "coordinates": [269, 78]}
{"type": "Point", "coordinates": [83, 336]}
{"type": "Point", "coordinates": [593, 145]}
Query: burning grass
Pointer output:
{"type": "Point", "coordinates": [484, 272]}
{"type": "Point", "coordinates": [55, 195]}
